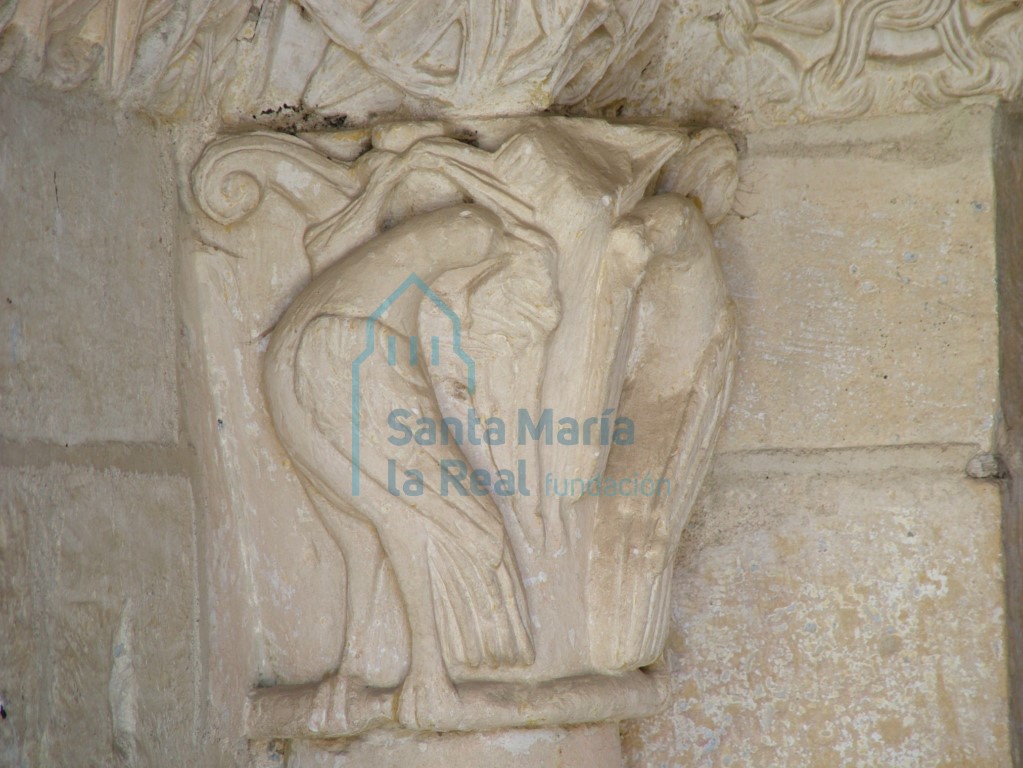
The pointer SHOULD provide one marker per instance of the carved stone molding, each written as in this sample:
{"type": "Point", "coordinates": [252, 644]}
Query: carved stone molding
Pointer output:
{"type": "Point", "coordinates": [173, 58]}
{"type": "Point", "coordinates": [313, 64]}
{"type": "Point", "coordinates": [749, 64]}
{"type": "Point", "coordinates": [492, 355]}
{"type": "Point", "coordinates": [275, 60]}
{"type": "Point", "coordinates": [470, 58]}
{"type": "Point", "coordinates": [833, 56]}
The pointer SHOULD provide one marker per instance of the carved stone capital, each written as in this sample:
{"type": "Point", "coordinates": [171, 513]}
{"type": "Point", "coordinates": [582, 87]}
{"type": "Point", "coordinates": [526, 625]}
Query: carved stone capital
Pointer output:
{"type": "Point", "coordinates": [496, 370]}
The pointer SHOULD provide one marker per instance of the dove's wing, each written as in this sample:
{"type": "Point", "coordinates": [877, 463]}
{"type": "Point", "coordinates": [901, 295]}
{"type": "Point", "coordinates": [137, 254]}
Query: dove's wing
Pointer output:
{"type": "Point", "coordinates": [475, 586]}
{"type": "Point", "coordinates": [680, 371]}
{"type": "Point", "coordinates": [508, 309]}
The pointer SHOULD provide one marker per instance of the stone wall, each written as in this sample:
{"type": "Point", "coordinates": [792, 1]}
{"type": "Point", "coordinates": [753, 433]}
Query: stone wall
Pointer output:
{"type": "Point", "coordinates": [840, 597]}
{"type": "Point", "coordinates": [1009, 190]}
{"type": "Point", "coordinates": [839, 600]}
{"type": "Point", "coordinates": [99, 630]}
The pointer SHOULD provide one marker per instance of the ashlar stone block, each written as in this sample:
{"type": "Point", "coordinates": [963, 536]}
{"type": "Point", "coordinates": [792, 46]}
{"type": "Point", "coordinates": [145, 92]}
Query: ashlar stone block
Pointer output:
{"type": "Point", "coordinates": [87, 320]}
{"type": "Point", "coordinates": [97, 618]}
{"type": "Point", "coordinates": [827, 619]}
{"type": "Point", "coordinates": [861, 258]}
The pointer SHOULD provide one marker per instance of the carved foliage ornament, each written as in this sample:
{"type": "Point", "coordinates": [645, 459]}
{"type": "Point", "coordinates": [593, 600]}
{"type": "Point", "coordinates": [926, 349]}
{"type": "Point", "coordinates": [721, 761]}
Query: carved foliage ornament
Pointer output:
{"type": "Point", "coordinates": [330, 57]}
{"type": "Point", "coordinates": [174, 54]}
{"type": "Point", "coordinates": [844, 59]}
{"type": "Point", "coordinates": [471, 57]}
{"type": "Point", "coordinates": [500, 389]}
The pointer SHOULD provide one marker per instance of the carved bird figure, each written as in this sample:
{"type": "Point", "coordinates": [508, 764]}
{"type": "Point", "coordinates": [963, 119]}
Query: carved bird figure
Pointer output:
{"type": "Point", "coordinates": [526, 275]}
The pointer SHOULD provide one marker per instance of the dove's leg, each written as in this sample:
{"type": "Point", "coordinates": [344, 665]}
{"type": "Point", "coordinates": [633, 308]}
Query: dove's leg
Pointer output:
{"type": "Point", "coordinates": [427, 696]}
{"type": "Point", "coordinates": [374, 626]}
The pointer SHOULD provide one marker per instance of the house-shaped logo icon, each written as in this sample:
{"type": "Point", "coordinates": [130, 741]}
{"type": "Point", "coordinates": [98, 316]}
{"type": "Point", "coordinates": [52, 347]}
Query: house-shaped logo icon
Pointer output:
{"type": "Point", "coordinates": [432, 349]}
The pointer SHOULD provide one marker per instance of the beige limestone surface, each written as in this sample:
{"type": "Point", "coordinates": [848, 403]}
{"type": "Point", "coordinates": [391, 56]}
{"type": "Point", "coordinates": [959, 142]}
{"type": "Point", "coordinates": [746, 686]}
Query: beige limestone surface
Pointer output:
{"type": "Point", "coordinates": [100, 656]}
{"type": "Point", "coordinates": [1009, 178]}
{"type": "Point", "coordinates": [839, 610]}
{"type": "Point", "coordinates": [97, 618]}
{"type": "Point", "coordinates": [834, 605]}
{"type": "Point", "coordinates": [593, 746]}
{"type": "Point", "coordinates": [861, 258]}
{"type": "Point", "coordinates": [86, 301]}
{"type": "Point", "coordinates": [576, 259]}
{"type": "Point", "coordinates": [838, 604]}
{"type": "Point", "coordinates": [750, 65]}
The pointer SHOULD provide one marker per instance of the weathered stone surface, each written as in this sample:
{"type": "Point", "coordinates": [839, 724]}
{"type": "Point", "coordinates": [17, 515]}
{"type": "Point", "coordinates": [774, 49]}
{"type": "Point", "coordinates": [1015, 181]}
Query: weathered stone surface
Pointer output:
{"type": "Point", "coordinates": [833, 606]}
{"type": "Point", "coordinates": [730, 63]}
{"type": "Point", "coordinates": [97, 618]}
{"type": "Point", "coordinates": [593, 746]}
{"type": "Point", "coordinates": [1009, 180]}
{"type": "Point", "coordinates": [1009, 229]}
{"type": "Point", "coordinates": [87, 323]}
{"type": "Point", "coordinates": [747, 64]}
{"type": "Point", "coordinates": [862, 264]}
{"type": "Point", "coordinates": [827, 619]}
{"type": "Point", "coordinates": [550, 268]}
{"type": "Point", "coordinates": [298, 64]}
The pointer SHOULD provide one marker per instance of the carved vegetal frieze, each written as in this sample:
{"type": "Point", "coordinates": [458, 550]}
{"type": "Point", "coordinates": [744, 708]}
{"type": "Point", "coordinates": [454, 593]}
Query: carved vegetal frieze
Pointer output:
{"type": "Point", "coordinates": [263, 59]}
{"type": "Point", "coordinates": [749, 63]}
{"type": "Point", "coordinates": [835, 58]}
{"type": "Point", "coordinates": [469, 57]}
{"type": "Point", "coordinates": [171, 57]}
{"type": "Point", "coordinates": [497, 371]}
{"type": "Point", "coordinates": [737, 62]}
